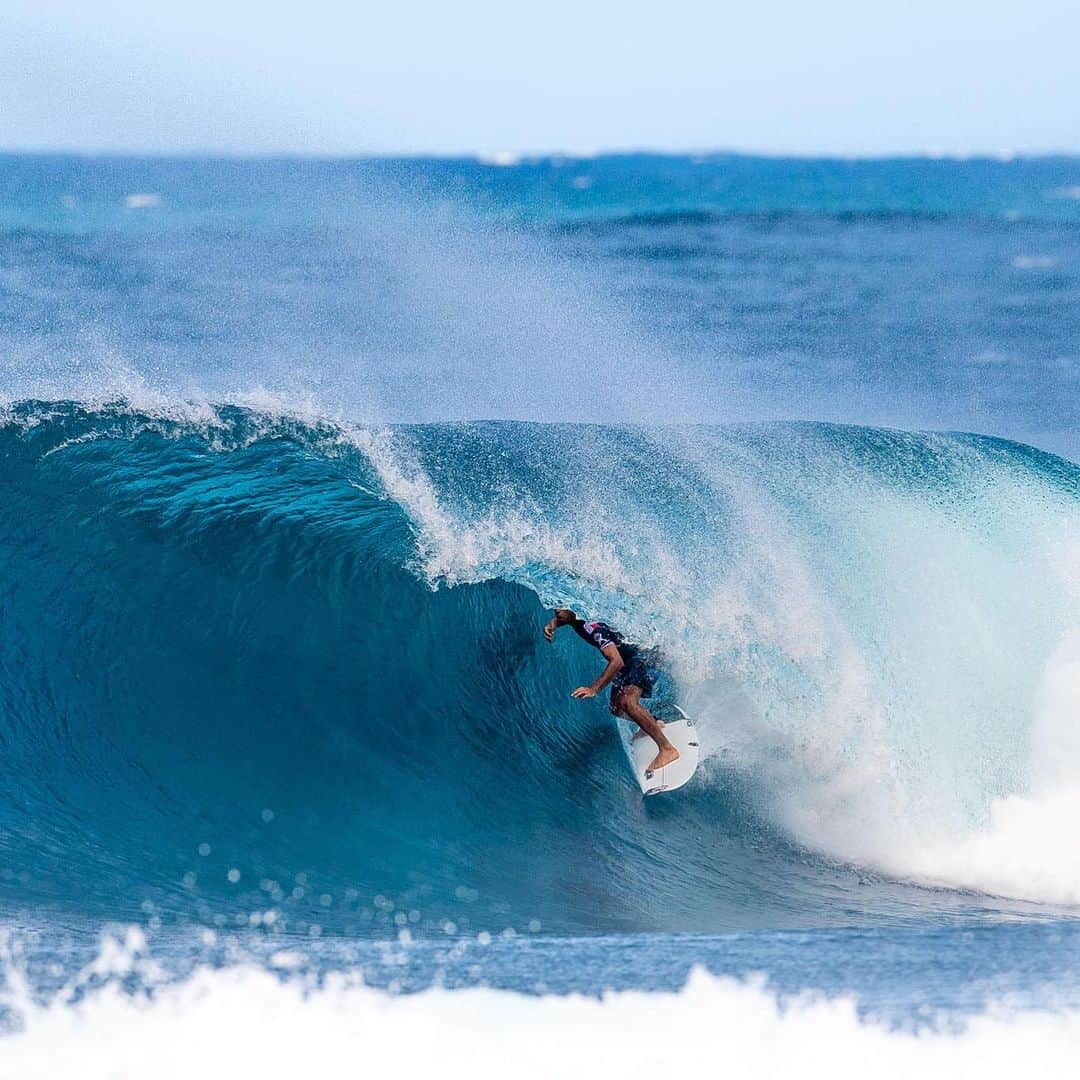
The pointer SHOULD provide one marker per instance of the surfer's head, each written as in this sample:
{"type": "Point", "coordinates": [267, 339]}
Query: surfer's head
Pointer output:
{"type": "Point", "coordinates": [564, 616]}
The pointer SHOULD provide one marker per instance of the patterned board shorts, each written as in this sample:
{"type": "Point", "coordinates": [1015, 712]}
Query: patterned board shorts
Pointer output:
{"type": "Point", "coordinates": [640, 672]}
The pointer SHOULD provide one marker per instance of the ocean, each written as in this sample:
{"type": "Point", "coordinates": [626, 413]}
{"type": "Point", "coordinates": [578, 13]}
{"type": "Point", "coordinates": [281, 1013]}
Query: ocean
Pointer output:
{"type": "Point", "coordinates": [297, 457]}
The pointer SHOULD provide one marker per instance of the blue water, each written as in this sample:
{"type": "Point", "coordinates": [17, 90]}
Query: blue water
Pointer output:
{"type": "Point", "coordinates": [297, 455]}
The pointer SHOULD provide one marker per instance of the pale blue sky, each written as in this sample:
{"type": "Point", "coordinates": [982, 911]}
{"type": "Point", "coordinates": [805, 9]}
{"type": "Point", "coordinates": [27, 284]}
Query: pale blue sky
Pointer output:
{"type": "Point", "coordinates": [323, 77]}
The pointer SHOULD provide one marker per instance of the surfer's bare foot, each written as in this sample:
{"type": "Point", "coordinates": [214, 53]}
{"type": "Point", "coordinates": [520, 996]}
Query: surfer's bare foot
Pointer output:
{"type": "Point", "coordinates": [639, 734]}
{"type": "Point", "coordinates": [667, 755]}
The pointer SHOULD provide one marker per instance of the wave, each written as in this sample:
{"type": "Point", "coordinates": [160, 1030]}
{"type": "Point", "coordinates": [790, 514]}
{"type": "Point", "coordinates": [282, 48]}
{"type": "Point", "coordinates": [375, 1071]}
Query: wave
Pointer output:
{"type": "Point", "coordinates": [246, 1019]}
{"type": "Point", "coordinates": [254, 664]}
{"type": "Point", "coordinates": [617, 219]}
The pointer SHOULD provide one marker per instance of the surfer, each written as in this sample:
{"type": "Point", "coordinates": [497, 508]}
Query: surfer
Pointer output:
{"type": "Point", "coordinates": [628, 673]}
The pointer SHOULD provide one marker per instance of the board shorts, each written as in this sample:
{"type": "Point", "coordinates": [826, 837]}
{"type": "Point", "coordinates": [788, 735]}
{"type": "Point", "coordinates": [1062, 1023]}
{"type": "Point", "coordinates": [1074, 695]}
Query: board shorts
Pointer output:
{"type": "Point", "coordinates": [641, 671]}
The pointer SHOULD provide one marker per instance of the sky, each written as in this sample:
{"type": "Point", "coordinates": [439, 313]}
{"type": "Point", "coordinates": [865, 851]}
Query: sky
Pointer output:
{"type": "Point", "coordinates": [397, 76]}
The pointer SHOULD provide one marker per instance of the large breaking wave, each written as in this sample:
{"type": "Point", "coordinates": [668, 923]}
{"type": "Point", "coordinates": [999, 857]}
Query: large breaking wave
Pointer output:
{"type": "Point", "coordinates": [257, 665]}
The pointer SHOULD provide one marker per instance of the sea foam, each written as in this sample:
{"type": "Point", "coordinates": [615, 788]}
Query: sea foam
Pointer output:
{"type": "Point", "coordinates": [246, 1021]}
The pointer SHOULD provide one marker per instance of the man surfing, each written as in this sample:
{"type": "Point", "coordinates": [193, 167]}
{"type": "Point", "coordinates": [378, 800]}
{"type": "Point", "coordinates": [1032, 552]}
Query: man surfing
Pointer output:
{"type": "Point", "coordinates": [628, 673]}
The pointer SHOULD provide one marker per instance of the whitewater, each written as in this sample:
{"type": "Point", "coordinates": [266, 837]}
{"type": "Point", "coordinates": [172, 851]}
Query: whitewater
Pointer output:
{"type": "Point", "coordinates": [297, 457]}
{"type": "Point", "coordinates": [244, 1020]}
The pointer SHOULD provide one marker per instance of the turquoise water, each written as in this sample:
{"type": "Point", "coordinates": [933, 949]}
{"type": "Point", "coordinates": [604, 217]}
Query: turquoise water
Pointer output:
{"type": "Point", "coordinates": [297, 456]}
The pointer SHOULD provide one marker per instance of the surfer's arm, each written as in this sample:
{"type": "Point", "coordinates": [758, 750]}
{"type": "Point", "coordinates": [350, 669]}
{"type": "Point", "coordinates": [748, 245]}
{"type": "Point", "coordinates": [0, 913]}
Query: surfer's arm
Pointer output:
{"type": "Point", "coordinates": [562, 617]}
{"type": "Point", "coordinates": [614, 666]}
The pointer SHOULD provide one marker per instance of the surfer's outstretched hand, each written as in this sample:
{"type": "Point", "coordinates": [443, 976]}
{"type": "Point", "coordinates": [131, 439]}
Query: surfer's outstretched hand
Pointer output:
{"type": "Point", "coordinates": [583, 692]}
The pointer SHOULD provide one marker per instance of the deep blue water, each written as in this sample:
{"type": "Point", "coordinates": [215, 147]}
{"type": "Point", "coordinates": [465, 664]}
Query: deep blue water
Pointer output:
{"type": "Point", "coordinates": [295, 455]}
{"type": "Point", "coordinates": [909, 293]}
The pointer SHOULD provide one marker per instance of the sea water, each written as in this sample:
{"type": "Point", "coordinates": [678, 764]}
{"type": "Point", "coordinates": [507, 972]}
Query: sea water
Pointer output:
{"type": "Point", "coordinates": [296, 457]}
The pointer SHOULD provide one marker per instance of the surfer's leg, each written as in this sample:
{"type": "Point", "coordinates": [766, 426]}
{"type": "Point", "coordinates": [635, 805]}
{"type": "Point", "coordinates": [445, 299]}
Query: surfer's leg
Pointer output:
{"type": "Point", "coordinates": [631, 707]}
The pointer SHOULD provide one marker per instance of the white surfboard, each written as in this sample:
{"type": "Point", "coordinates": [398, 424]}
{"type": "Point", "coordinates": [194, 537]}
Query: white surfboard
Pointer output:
{"type": "Point", "coordinates": [641, 750]}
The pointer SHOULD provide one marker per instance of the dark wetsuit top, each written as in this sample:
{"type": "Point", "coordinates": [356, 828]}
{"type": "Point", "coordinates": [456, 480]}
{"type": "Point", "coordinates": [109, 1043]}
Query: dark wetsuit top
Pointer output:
{"type": "Point", "coordinates": [637, 669]}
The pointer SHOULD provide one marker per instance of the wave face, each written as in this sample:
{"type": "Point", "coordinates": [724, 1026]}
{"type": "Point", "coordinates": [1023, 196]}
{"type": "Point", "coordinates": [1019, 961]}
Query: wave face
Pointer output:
{"type": "Point", "coordinates": [258, 666]}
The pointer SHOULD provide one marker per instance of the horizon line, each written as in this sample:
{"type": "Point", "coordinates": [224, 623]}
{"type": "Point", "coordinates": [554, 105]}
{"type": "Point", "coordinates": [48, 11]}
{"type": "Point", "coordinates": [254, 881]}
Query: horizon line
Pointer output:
{"type": "Point", "coordinates": [505, 158]}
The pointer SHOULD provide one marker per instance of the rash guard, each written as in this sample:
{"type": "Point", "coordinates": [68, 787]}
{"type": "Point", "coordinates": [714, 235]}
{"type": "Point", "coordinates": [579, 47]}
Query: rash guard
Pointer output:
{"type": "Point", "coordinates": [640, 668]}
{"type": "Point", "coordinates": [601, 636]}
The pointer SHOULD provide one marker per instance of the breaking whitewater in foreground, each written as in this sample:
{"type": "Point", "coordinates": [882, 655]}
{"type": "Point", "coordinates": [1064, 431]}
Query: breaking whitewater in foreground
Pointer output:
{"type": "Point", "coordinates": [245, 1022]}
